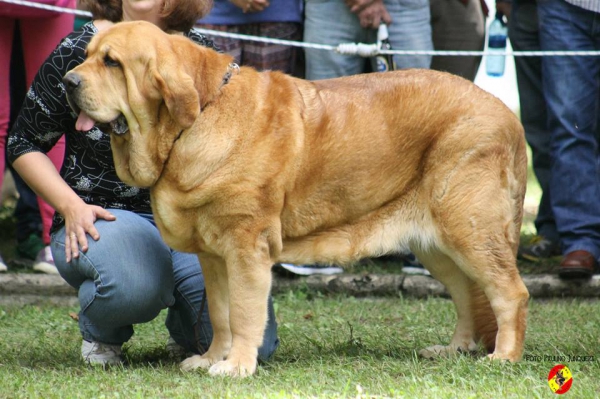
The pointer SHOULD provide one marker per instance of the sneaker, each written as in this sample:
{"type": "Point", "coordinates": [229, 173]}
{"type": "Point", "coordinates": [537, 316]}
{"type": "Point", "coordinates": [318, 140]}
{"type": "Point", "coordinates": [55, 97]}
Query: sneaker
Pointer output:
{"type": "Point", "coordinates": [174, 349]}
{"type": "Point", "coordinates": [411, 265]}
{"type": "Point", "coordinates": [3, 267]}
{"type": "Point", "coordinates": [538, 248]}
{"type": "Point", "coordinates": [44, 262]}
{"type": "Point", "coordinates": [28, 250]}
{"type": "Point", "coordinates": [97, 353]}
{"type": "Point", "coordinates": [307, 270]}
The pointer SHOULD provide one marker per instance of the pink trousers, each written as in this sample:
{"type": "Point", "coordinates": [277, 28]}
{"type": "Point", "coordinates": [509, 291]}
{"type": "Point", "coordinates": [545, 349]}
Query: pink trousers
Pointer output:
{"type": "Point", "coordinates": [39, 37]}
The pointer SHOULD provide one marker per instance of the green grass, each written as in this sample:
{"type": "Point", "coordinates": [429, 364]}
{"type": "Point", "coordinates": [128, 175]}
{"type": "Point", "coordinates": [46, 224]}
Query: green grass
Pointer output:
{"type": "Point", "coordinates": [331, 346]}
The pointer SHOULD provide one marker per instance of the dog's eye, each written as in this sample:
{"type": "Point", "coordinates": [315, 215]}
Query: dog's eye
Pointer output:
{"type": "Point", "coordinates": [109, 62]}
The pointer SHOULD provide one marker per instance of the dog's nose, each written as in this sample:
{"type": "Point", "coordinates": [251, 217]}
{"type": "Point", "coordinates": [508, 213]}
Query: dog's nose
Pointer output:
{"type": "Point", "coordinates": [71, 81]}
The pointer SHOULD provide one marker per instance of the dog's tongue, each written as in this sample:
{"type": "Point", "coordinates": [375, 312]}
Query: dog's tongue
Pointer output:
{"type": "Point", "coordinates": [84, 122]}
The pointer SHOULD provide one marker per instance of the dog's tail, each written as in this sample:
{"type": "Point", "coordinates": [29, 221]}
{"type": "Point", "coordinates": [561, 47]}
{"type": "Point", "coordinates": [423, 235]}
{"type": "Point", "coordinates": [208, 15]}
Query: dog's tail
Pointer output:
{"type": "Point", "coordinates": [486, 327]}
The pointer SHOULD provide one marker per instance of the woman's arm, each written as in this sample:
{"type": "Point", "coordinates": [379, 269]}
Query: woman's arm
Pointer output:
{"type": "Point", "coordinates": [44, 117]}
{"type": "Point", "coordinates": [40, 174]}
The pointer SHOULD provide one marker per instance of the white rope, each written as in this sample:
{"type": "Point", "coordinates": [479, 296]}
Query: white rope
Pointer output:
{"type": "Point", "coordinates": [360, 49]}
{"type": "Point", "coordinates": [264, 39]}
{"type": "Point", "coordinates": [370, 50]}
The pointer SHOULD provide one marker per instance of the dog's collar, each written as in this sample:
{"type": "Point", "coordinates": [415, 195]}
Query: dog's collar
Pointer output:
{"type": "Point", "coordinates": [231, 68]}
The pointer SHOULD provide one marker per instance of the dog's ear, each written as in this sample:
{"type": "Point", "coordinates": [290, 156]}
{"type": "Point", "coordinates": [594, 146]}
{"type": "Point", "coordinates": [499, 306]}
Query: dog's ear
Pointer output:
{"type": "Point", "coordinates": [178, 91]}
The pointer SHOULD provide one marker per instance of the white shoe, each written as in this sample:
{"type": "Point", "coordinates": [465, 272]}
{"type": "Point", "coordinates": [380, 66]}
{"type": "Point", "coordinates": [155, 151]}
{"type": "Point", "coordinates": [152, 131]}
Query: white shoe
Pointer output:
{"type": "Point", "coordinates": [3, 267]}
{"type": "Point", "coordinates": [44, 262]}
{"type": "Point", "coordinates": [411, 265]}
{"type": "Point", "coordinates": [97, 353]}
{"type": "Point", "coordinates": [308, 270]}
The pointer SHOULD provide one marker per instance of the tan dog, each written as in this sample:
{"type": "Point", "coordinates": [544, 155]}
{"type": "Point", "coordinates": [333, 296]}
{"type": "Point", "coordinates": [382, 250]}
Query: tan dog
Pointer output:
{"type": "Point", "coordinates": [247, 169]}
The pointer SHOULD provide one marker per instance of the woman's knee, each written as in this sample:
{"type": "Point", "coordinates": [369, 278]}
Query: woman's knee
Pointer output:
{"type": "Point", "coordinates": [122, 305]}
{"type": "Point", "coordinates": [128, 272]}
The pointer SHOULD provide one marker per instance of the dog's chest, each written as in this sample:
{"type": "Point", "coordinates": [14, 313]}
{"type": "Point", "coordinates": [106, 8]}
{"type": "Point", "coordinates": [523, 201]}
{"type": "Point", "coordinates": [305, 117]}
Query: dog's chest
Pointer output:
{"type": "Point", "coordinates": [177, 227]}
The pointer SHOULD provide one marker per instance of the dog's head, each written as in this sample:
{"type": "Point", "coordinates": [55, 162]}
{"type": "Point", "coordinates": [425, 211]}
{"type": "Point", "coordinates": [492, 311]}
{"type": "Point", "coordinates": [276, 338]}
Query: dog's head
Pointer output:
{"type": "Point", "coordinates": [149, 87]}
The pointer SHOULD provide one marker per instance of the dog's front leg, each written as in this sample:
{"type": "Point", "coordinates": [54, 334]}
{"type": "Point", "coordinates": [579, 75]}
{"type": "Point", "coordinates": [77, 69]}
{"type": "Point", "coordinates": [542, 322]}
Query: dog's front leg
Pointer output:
{"type": "Point", "coordinates": [249, 287]}
{"type": "Point", "coordinates": [217, 293]}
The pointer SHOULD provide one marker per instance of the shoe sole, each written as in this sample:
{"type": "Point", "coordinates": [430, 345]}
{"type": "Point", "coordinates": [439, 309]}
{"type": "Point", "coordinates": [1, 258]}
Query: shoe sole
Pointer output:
{"type": "Point", "coordinates": [416, 271]}
{"type": "Point", "coordinates": [308, 271]}
{"type": "Point", "coordinates": [45, 268]}
{"type": "Point", "coordinates": [572, 274]}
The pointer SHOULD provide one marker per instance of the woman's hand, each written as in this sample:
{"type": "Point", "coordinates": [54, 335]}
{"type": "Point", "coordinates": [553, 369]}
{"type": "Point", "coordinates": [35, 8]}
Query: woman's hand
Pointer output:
{"type": "Point", "coordinates": [79, 221]}
{"type": "Point", "coordinates": [357, 6]}
{"type": "Point", "coordinates": [373, 15]}
{"type": "Point", "coordinates": [41, 175]}
{"type": "Point", "coordinates": [251, 5]}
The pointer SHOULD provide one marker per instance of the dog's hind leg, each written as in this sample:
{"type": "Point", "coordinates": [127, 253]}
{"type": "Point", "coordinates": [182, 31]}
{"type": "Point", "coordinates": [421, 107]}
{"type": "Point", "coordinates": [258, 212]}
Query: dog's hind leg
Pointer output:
{"type": "Point", "coordinates": [487, 255]}
{"type": "Point", "coordinates": [508, 297]}
{"type": "Point", "coordinates": [477, 208]}
{"type": "Point", "coordinates": [217, 292]}
{"type": "Point", "coordinates": [459, 287]}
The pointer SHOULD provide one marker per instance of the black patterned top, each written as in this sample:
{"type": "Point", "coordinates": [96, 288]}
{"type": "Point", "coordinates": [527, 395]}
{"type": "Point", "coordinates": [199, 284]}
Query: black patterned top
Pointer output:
{"type": "Point", "coordinates": [45, 116]}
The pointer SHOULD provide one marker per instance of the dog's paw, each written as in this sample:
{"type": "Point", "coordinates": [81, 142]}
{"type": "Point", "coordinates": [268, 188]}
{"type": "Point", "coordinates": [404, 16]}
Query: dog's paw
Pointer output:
{"type": "Point", "coordinates": [436, 351]}
{"type": "Point", "coordinates": [502, 358]}
{"type": "Point", "coordinates": [232, 369]}
{"type": "Point", "coordinates": [195, 362]}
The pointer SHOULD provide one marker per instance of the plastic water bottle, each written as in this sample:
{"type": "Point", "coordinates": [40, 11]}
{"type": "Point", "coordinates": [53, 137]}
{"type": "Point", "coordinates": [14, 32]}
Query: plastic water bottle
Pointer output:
{"type": "Point", "coordinates": [494, 65]}
{"type": "Point", "coordinates": [385, 62]}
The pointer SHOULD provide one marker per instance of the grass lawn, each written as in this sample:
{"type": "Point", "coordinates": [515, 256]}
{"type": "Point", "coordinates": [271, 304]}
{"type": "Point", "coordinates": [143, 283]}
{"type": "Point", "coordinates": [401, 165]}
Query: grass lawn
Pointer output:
{"type": "Point", "coordinates": [331, 346]}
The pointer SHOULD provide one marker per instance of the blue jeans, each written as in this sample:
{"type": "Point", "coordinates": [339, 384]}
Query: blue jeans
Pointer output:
{"type": "Point", "coordinates": [523, 31]}
{"type": "Point", "coordinates": [130, 275]}
{"type": "Point", "coordinates": [572, 90]}
{"type": "Point", "coordinates": [330, 22]}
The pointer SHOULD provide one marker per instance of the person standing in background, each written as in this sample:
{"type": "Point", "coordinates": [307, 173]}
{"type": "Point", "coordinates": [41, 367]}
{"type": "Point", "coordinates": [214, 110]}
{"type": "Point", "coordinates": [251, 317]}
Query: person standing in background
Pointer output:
{"type": "Point", "coordinates": [458, 25]}
{"type": "Point", "coordinates": [332, 22]}
{"type": "Point", "coordinates": [281, 19]}
{"type": "Point", "coordinates": [571, 86]}
{"type": "Point", "coordinates": [40, 34]}
{"type": "Point", "coordinates": [524, 35]}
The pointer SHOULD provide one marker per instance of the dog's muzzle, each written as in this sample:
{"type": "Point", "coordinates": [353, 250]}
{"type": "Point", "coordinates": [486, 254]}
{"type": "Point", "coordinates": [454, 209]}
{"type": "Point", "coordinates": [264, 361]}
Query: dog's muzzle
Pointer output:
{"type": "Point", "coordinates": [72, 82]}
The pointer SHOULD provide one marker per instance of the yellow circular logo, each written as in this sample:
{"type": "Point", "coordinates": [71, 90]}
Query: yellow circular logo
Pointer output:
{"type": "Point", "coordinates": [560, 379]}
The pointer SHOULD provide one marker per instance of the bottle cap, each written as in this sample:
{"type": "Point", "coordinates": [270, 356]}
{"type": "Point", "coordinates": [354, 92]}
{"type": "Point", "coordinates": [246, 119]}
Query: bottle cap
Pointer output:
{"type": "Point", "coordinates": [382, 33]}
{"type": "Point", "coordinates": [500, 17]}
